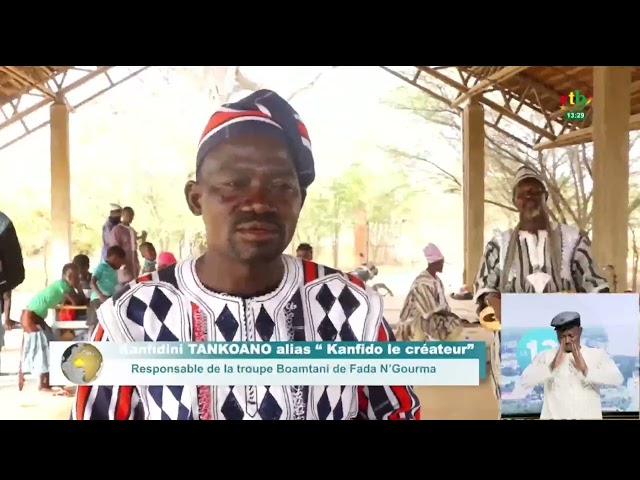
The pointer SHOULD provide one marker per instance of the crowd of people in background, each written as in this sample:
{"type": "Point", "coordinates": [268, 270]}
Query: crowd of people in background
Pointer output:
{"type": "Point", "coordinates": [77, 294]}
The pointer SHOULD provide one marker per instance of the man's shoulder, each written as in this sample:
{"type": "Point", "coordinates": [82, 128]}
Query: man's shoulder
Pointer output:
{"type": "Point", "coordinates": [571, 230]}
{"type": "Point", "coordinates": [500, 238]}
{"type": "Point", "coordinates": [546, 356]}
{"type": "Point", "coordinates": [594, 352]}
{"type": "Point", "coordinates": [101, 267]}
{"type": "Point", "coordinates": [313, 271]}
{"type": "Point", "coordinates": [165, 279]}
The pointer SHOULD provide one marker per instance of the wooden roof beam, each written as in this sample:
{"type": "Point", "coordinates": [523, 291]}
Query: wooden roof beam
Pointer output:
{"type": "Point", "coordinates": [584, 135]}
{"type": "Point", "coordinates": [497, 77]}
{"type": "Point", "coordinates": [61, 93]}
{"type": "Point", "coordinates": [28, 81]}
{"type": "Point", "coordinates": [498, 108]}
{"type": "Point", "coordinates": [448, 102]}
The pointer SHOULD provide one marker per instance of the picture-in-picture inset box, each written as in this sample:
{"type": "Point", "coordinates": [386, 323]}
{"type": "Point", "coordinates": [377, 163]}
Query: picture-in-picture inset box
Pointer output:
{"type": "Point", "coordinates": [585, 366]}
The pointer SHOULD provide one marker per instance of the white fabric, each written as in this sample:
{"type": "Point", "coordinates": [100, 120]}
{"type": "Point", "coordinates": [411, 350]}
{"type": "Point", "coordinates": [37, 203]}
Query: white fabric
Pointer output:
{"type": "Point", "coordinates": [293, 298]}
{"type": "Point", "coordinates": [432, 253]}
{"type": "Point", "coordinates": [570, 237]}
{"type": "Point", "coordinates": [568, 394]}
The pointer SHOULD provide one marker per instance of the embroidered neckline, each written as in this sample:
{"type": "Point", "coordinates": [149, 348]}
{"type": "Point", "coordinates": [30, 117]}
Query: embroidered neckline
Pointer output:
{"type": "Point", "coordinates": [289, 273]}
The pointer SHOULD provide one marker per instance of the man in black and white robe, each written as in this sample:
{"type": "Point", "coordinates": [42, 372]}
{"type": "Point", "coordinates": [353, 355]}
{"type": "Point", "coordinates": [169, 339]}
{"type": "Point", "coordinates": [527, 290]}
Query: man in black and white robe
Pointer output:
{"type": "Point", "coordinates": [253, 167]}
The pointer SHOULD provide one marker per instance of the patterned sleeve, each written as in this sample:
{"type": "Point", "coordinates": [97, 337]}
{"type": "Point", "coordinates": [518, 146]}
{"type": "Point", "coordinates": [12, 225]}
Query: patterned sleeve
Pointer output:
{"type": "Point", "coordinates": [585, 270]}
{"type": "Point", "coordinates": [488, 277]}
{"type": "Point", "coordinates": [388, 402]}
{"type": "Point", "coordinates": [100, 402]}
{"type": "Point", "coordinates": [425, 301]}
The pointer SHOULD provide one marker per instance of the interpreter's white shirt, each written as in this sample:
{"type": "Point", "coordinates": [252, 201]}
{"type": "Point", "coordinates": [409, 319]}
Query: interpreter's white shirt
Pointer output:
{"type": "Point", "coordinates": [568, 394]}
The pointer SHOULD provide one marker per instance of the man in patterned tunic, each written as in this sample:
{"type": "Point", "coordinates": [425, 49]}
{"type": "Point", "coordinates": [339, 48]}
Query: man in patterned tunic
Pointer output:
{"type": "Point", "coordinates": [426, 315]}
{"type": "Point", "coordinates": [253, 167]}
{"type": "Point", "coordinates": [537, 256]}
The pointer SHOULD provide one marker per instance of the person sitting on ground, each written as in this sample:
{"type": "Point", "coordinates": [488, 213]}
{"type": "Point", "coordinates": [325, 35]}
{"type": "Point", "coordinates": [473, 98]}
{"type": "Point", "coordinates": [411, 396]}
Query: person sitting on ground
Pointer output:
{"type": "Point", "coordinates": [426, 315]}
{"type": "Point", "coordinates": [148, 253]}
{"type": "Point", "coordinates": [38, 333]}
{"type": "Point", "coordinates": [166, 259]}
{"type": "Point", "coordinates": [104, 282]}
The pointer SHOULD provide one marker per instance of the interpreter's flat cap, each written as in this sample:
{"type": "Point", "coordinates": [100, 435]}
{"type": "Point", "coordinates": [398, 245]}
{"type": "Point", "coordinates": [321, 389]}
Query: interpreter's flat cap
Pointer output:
{"type": "Point", "coordinates": [566, 320]}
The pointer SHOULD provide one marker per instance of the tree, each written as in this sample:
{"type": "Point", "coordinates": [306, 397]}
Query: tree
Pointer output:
{"type": "Point", "coordinates": [381, 201]}
{"type": "Point", "coordinates": [567, 172]}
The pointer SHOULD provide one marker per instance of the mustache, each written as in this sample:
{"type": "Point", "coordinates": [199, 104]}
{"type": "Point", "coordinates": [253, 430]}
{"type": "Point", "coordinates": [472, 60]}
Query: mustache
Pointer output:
{"type": "Point", "coordinates": [268, 218]}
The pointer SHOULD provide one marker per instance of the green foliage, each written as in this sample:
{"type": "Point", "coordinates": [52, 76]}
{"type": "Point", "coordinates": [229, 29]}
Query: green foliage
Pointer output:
{"type": "Point", "coordinates": [357, 195]}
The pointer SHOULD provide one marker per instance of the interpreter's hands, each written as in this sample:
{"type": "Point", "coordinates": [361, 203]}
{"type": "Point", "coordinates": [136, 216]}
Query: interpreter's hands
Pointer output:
{"type": "Point", "coordinates": [557, 360]}
{"type": "Point", "coordinates": [578, 359]}
{"type": "Point", "coordinates": [493, 300]}
{"type": "Point", "coordinates": [102, 298]}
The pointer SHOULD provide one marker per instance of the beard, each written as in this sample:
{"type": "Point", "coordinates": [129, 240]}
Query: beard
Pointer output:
{"type": "Point", "coordinates": [533, 212]}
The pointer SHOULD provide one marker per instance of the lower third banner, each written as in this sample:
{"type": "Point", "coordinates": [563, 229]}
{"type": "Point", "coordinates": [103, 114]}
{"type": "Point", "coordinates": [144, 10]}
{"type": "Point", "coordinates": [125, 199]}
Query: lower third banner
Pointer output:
{"type": "Point", "coordinates": [268, 363]}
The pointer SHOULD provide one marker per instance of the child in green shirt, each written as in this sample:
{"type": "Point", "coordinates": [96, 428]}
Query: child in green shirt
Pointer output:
{"type": "Point", "coordinates": [37, 333]}
{"type": "Point", "coordinates": [104, 283]}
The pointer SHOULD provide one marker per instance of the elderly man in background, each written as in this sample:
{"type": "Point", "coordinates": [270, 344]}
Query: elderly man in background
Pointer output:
{"type": "Point", "coordinates": [537, 256]}
{"type": "Point", "coordinates": [115, 213]}
{"type": "Point", "coordinates": [426, 315]}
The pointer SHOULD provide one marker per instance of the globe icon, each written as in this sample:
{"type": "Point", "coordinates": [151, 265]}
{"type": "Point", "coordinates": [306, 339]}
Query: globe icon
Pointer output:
{"type": "Point", "coordinates": [81, 363]}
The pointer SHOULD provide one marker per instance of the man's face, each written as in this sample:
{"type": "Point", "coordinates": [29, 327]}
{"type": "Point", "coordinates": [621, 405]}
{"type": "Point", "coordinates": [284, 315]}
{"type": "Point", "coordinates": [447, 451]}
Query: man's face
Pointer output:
{"type": "Point", "coordinates": [437, 266]}
{"type": "Point", "coordinates": [116, 214]}
{"type": "Point", "coordinates": [83, 269]}
{"type": "Point", "coordinates": [529, 198]}
{"type": "Point", "coordinates": [570, 336]}
{"type": "Point", "coordinates": [72, 276]}
{"type": "Point", "coordinates": [304, 253]}
{"type": "Point", "coordinates": [249, 197]}
{"type": "Point", "coordinates": [127, 216]}
{"type": "Point", "coordinates": [115, 261]}
{"type": "Point", "coordinates": [148, 253]}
